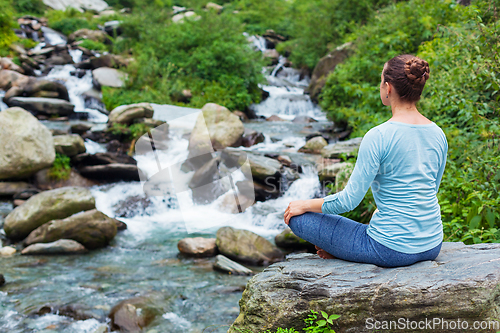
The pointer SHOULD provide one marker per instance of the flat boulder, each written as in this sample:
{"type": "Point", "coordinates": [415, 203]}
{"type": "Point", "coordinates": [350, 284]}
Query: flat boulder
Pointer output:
{"type": "Point", "coordinates": [8, 189]}
{"type": "Point", "coordinates": [43, 105]}
{"type": "Point", "coordinates": [62, 246]}
{"type": "Point", "coordinates": [93, 229]}
{"type": "Point", "coordinates": [226, 265]}
{"type": "Point", "coordinates": [69, 145]}
{"type": "Point", "coordinates": [46, 206]}
{"type": "Point", "coordinates": [108, 77]}
{"type": "Point", "coordinates": [246, 246]}
{"type": "Point", "coordinates": [197, 247]}
{"type": "Point", "coordinates": [94, 35]}
{"type": "Point", "coordinates": [462, 282]}
{"type": "Point", "coordinates": [335, 150]}
{"type": "Point", "coordinates": [328, 173]}
{"type": "Point", "coordinates": [27, 145]}
{"type": "Point", "coordinates": [126, 114]}
{"type": "Point", "coordinates": [111, 172]}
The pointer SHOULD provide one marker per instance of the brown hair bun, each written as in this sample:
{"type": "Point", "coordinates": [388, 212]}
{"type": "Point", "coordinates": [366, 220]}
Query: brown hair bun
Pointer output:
{"type": "Point", "coordinates": [408, 75]}
{"type": "Point", "coordinates": [417, 71]}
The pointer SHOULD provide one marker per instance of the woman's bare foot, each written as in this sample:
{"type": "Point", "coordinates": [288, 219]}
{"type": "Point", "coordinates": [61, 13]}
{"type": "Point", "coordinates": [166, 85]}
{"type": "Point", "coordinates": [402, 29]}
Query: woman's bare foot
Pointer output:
{"type": "Point", "coordinates": [323, 254]}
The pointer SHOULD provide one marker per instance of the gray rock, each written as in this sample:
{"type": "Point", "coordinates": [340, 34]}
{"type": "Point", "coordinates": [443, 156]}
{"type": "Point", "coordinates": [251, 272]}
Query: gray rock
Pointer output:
{"type": "Point", "coordinates": [325, 66]}
{"type": "Point", "coordinates": [11, 188]}
{"type": "Point", "coordinates": [69, 145]}
{"type": "Point", "coordinates": [111, 172]}
{"type": "Point", "coordinates": [216, 128]}
{"type": "Point", "coordinates": [462, 283]}
{"type": "Point", "coordinates": [109, 77]}
{"type": "Point", "coordinates": [225, 264]}
{"type": "Point", "coordinates": [42, 105]}
{"type": "Point", "coordinates": [62, 246]}
{"type": "Point", "coordinates": [314, 145]}
{"type": "Point", "coordinates": [94, 35]}
{"type": "Point", "coordinates": [27, 146]}
{"type": "Point", "coordinates": [93, 229]}
{"type": "Point", "coordinates": [304, 120]}
{"type": "Point", "coordinates": [126, 114]}
{"type": "Point", "coordinates": [179, 18]}
{"type": "Point", "coordinates": [80, 5]}
{"type": "Point", "coordinates": [328, 173]}
{"type": "Point", "coordinates": [197, 247]}
{"type": "Point", "coordinates": [134, 314]}
{"type": "Point", "coordinates": [246, 246]}
{"type": "Point", "coordinates": [46, 206]}
{"type": "Point", "coordinates": [288, 240]}
{"type": "Point", "coordinates": [334, 150]}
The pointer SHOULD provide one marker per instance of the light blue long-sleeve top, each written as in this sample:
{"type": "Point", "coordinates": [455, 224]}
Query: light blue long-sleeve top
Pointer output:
{"type": "Point", "coordinates": [403, 164]}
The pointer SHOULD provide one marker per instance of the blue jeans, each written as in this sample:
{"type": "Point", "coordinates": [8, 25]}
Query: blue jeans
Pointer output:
{"type": "Point", "coordinates": [346, 239]}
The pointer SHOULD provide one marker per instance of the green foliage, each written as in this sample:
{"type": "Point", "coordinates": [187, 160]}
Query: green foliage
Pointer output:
{"type": "Point", "coordinates": [462, 95]}
{"type": "Point", "coordinates": [209, 56]}
{"type": "Point", "coordinates": [94, 45]}
{"type": "Point", "coordinates": [322, 325]}
{"type": "Point", "coordinates": [129, 133]}
{"type": "Point", "coordinates": [61, 168]}
{"type": "Point", "coordinates": [314, 325]}
{"type": "Point", "coordinates": [35, 7]}
{"type": "Point", "coordinates": [70, 20]}
{"type": "Point", "coordinates": [7, 35]}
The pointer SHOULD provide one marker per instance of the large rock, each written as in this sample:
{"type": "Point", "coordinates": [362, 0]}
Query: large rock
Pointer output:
{"type": "Point", "coordinates": [9, 79]}
{"type": "Point", "coordinates": [109, 77]}
{"type": "Point", "coordinates": [328, 173]}
{"type": "Point", "coordinates": [126, 114]}
{"type": "Point", "coordinates": [95, 35]}
{"type": "Point", "coordinates": [62, 246]}
{"type": "Point", "coordinates": [27, 146]}
{"type": "Point", "coordinates": [288, 240]}
{"type": "Point", "coordinates": [8, 189]}
{"type": "Point", "coordinates": [325, 66]}
{"type": "Point", "coordinates": [111, 172]}
{"type": "Point", "coordinates": [215, 128]}
{"type": "Point", "coordinates": [44, 181]}
{"type": "Point", "coordinates": [335, 150]}
{"type": "Point", "coordinates": [197, 247]}
{"type": "Point", "coordinates": [246, 246]}
{"type": "Point", "coordinates": [462, 283]}
{"type": "Point", "coordinates": [93, 229]}
{"type": "Point", "coordinates": [134, 314]}
{"type": "Point", "coordinates": [42, 105]}
{"type": "Point", "coordinates": [81, 5]}
{"type": "Point", "coordinates": [314, 145]}
{"type": "Point", "coordinates": [7, 63]}
{"type": "Point", "coordinates": [47, 206]}
{"type": "Point", "coordinates": [69, 145]}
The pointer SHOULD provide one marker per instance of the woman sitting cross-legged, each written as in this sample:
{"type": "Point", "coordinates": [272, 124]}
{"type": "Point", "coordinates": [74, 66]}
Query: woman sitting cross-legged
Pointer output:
{"type": "Point", "coordinates": [403, 161]}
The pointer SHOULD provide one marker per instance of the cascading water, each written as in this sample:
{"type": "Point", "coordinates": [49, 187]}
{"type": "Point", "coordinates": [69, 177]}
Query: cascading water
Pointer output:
{"type": "Point", "coordinates": [144, 258]}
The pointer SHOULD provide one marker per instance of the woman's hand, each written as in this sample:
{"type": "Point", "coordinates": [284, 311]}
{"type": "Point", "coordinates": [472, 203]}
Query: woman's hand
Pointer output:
{"type": "Point", "coordinates": [300, 207]}
{"type": "Point", "coordinates": [295, 208]}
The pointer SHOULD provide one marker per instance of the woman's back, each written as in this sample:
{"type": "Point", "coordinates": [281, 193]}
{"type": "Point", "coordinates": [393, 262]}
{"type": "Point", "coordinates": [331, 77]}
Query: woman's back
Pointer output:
{"type": "Point", "coordinates": [411, 161]}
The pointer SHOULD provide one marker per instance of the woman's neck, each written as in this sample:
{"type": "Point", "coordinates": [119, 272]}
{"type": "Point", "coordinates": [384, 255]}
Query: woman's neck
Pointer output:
{"type": "Point", "coordinates": [407, 113]}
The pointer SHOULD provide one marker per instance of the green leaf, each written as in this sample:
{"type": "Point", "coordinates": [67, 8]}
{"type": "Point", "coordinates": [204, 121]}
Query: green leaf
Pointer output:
{"type": "Point", "coordinates": [324, 314]}
{"type": "Point", "coordinates": [490, 218]}
{"type": "Point", "coordinates": [334, 316]}
{"type": "Point", "coordinates": [321, 323]}
{"type": "Point", "coordinates": [475, 222]}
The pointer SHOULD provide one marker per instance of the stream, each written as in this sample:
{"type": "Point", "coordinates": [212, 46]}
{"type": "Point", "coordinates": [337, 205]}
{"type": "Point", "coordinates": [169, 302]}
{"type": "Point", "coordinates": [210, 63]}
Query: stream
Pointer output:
{"type": "Point", "coordinates": [144, 259]}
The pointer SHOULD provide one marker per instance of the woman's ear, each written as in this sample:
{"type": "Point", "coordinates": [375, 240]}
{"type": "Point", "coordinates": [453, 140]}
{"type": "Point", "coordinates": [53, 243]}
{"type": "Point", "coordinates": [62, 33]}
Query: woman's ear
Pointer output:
{"type": "Point", "coordinates": [388, 88]}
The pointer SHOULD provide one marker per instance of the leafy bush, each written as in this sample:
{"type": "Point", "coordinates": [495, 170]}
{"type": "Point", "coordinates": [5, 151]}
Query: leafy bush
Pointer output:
{"type": "Point", "coordinates": [209, 56]}
{"type": "Point", "coordinates": [7, 35]}
{"type": "Point", "coordinates": [61, 168]}
{"type": "Point", "coordinates": [70, 20]}
{"type": "Point", "coordinates": [461, 46]}
{"type": "Point", "coordinates": [35, 7]}
{"type": "Point", "coordinates": [94, 45]}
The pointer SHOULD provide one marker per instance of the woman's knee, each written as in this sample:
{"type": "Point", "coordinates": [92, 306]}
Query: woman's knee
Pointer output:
{"type": "Point", "coordinates": [297, 223]}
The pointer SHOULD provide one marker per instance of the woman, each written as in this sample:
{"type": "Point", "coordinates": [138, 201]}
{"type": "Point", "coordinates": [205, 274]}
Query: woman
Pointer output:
{"type": "Point", "coordinates": [403, 161]}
